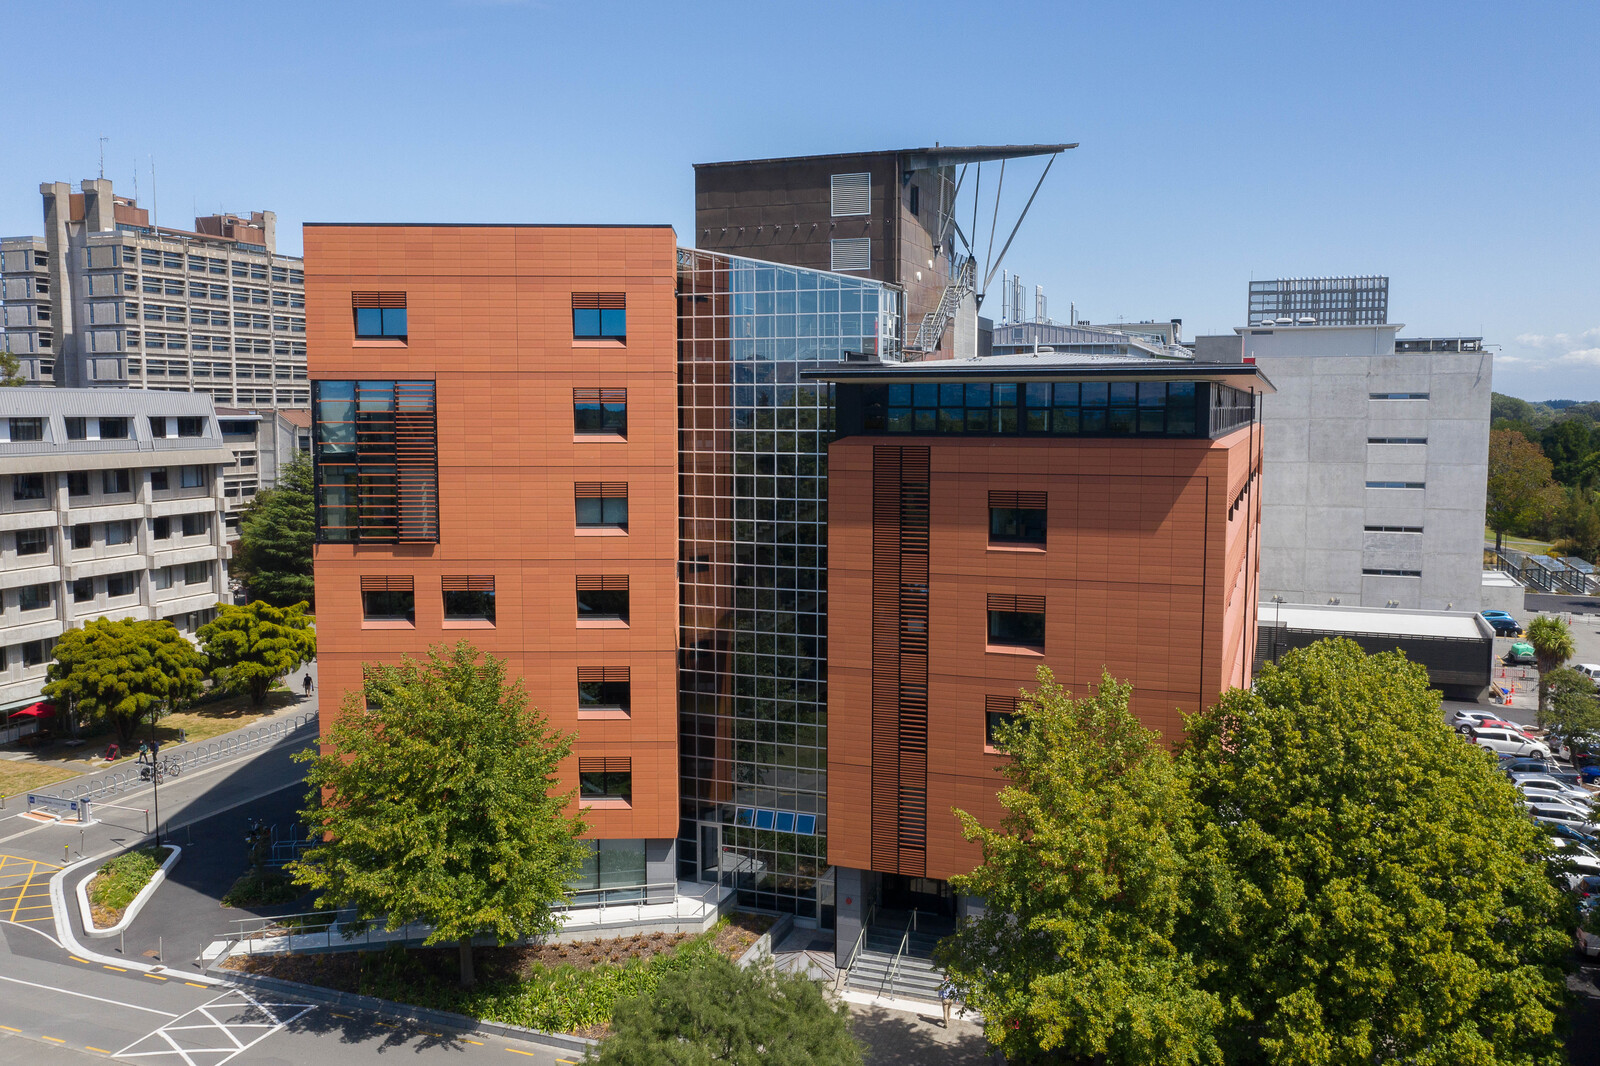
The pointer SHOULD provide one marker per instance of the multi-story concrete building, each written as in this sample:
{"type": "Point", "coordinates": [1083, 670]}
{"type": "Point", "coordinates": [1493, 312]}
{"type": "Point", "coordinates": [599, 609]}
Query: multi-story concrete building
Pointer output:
{"type": "Point", "coordinates": [1319, 301]}
{"type": "Point", "coordinates": [1376, 463]}
{"type": "Point", "coordinates": [110, 505]}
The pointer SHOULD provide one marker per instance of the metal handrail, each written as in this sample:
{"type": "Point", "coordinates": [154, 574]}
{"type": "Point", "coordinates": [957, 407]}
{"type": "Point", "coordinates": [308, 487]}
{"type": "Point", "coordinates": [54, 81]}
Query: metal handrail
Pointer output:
{"type": "Point", "coordinates": [850, 959]}
{"type": "Point", "coordinates": [894, 968]}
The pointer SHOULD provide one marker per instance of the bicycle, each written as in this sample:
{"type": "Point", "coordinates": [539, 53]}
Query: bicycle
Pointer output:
{"type": "Point", "coordinates": [158, 772]}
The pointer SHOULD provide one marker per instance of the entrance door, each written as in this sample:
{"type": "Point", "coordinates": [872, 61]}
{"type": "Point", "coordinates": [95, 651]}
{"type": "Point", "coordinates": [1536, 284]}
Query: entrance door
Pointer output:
{"type": "Point", "coordinates": [710, 853]}
{"type": "Point", "coordinates": [923, 894]}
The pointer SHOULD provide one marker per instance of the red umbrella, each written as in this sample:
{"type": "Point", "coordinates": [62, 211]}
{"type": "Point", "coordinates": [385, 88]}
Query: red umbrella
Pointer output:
{"type": "Point", "coordinates": [34, 710]}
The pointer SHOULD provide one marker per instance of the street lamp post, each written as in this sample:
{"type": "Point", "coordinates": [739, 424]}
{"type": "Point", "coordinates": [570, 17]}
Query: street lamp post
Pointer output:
{"type": "Point", "coordinates": [155, 777]}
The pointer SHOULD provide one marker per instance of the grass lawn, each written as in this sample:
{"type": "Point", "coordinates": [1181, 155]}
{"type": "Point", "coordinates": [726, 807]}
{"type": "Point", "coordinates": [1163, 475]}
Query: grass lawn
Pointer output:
{"type": "Point", "coordinates": [1521, 544]}
{"type": "Point", "coordinates": [120, 880]}
{"type": "Point", "coordinates": [25, 775]}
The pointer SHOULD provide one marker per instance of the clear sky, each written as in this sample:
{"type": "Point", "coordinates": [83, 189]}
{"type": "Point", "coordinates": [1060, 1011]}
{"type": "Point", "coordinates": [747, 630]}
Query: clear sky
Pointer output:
{"type": "Point", "coordinates": [1451, 146]}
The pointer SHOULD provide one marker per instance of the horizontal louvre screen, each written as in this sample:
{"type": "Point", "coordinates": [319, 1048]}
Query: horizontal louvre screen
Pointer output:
{"type": "Point", "coordinates": [377, 299]}
{"type": "Point", "coordinates": [610, 490]}
{"type": "Point", "coordinates": [852, 194]}
{"type": "Point", "coordinates": [388, 584]}
{"type": "Point", "coordinates": [1026, 501]}
{"type": "Point", "coordinates": [604, 583]}
{"type": "Point", "coordinates": [1000, 704]}
{"type": "Point", "coordinates": [851, 253]}
{"type": "Point", "coordinates": [599, 395]}
{"type": "Point", "coordinates": [469, 583]}
{"type": "Point", "coordinates": [587, 674]}
{"type": "Point", "coordinates": [1026, 604]}
{"type": "Point", "coordinates": [605, 301]}
{"type": "Point", "coordinates": [610, 764]}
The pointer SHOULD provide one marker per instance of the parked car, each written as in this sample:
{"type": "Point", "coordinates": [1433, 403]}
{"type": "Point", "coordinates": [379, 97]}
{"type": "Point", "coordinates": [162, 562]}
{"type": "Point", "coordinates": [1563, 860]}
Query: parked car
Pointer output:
{"type": "Point", "coordinates": [1508, 741]}
{"type": "Point", "coordinates": [1462, 719]}
{"type": "Point", "coordinates": [1579, 750]}
{"type": "Point", "coordinates": [1572, 834]}
{"type": "Point", "coordinates": [1575, 858]}
{"type": "Point", "coordinates": [1588, 943]}
{"type": "Point", "coordinates": [1503, 625]}
{"type": "Point", "coordinates": [1521, 652]}
{"type": "Point", "coordinates": [1522, 764]}
{"type": "Point", "coordinates": [1589, 774]}
{"type": "Point", "coordinates": [1545, 785]}
{"type": "Point", "coordinates": [1586, 886]}
{"type": "Point", "coordinates": [1567, 813]}
{"type": "Point", "coordinates": [1589, 670]}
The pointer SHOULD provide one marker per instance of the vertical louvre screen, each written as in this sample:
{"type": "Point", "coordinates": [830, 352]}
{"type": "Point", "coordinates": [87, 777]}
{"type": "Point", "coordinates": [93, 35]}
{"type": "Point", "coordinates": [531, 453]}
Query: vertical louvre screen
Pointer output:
{"type": "Point", "coordinates": [851, 253]}
{"type": "Point", "coordinates": [375, 451]}
{"type": "Point", "coordinates": [852, 194]}
{"type": "Point", "coordinates": [416, 447]}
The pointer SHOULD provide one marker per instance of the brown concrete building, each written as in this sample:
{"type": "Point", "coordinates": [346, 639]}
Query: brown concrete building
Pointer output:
{"type": "Point", "coordinates": [496, 449]}
{"type": "Point", "coordinates": [988, 517]}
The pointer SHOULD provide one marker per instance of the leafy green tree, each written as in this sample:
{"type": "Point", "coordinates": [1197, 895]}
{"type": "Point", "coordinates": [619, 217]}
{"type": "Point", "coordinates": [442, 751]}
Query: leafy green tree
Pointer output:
{"type": "Point", "coordinates": [1566, 444]}
{"type": "Point", "coordinates": [1086, 881]}
{"type": "Point", "coordinates": [250, 647]}
{"type": "Point", "coordinates": [434, 792]}
{"type": "Point", "coordinates": [1574, 712]}
{"type": "Point", "coordinates": [1519, 483]}
{"type": "Point", "coordinates": [276, 533]}
{"type": "Point", "coordinates": [126, 671]}
{"type": "Point", "coordinates": [1386, 897]}
{"type": "Point", "coordinates": [10, 370]}
{"type": "Point", "coordinates": [1552, 645]}
{"type": "Point", "coordinates": [719, 1013]}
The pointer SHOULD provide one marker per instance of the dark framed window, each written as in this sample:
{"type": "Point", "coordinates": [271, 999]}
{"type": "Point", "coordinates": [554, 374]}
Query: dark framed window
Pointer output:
{"type": "Point", "coordinates": [604, 688]}
{"type": "Point", "coordinates": [1016, 620]}
{"type": "Point", "coordinates": [25, 429]}
{"type": "Point", "coordinates": [158, 479]}
{"type": "Point", "coordinates": [119, 532]}
{"type": "Point", "coordinates": [602, 598]}
{"type": "Point", "coordinates": [114, 482]}
{"type": "Point", "coordinates": [33, 597]}
{"type": "Point", "coordinates": [602, 504]}
{"type": "Point", "coordinates": [33, 653]}
{"type": "Point", "coordinates": [468, 599]}
{"type": "Point", "coordinates": [33, 541]}
{"type": "Point", "coordinates": [83, 534]}
{"type": "Point", "coordinates": [389, 606]}
{"type": "Point", "coordinates": [1017, 517]}
{"type": "Point", "coordinates": [113, 429]}
{"type": "Point", "coordinates": [605, 778]}
{"type": "Point", "coordinates": [599, 316]}
{"type": "Point", "coordinates": [1034, 408]}
{"type": "Point", "coordinates": [600, 411]}
{"type": "Point", "coordinates": [196, 525]}
{"type": "Point", "coordinates": [77, 428]}
{"type": "Point", "coordinates": [78, 483]}
{"type": "Point", "coordinates": [196, 573]}
{"type": "Point", "coordinates": [362, 431]}
{"type": "Point", "coordinates": [28, 486]}
{"type": "Point", "coordinates": [122, 584]}
{"type": "Point", "coordinates": [191, 426]}
{"type": "Point", "coordinates": [192, 477]}
{"type": "Point", "coordinates": [997, 711]}
{"type": "Point", "coordinates": [380, 314]}
{"type": "Point", "coordinates": [83, 590]}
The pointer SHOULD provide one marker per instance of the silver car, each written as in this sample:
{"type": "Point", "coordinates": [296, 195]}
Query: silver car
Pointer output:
{"type": "Point", "coordinates": [1544, 784]}
{"type": "Point", "coordinates": [1508, 742]}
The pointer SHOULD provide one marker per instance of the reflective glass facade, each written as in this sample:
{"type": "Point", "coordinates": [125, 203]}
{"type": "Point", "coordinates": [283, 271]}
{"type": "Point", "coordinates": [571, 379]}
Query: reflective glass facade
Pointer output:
{"type": "Point", "coordinates": [753, 562]}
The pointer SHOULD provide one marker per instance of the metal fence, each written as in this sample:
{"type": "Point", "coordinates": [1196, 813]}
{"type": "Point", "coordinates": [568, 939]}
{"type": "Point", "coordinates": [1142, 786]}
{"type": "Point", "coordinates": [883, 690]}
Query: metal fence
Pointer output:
{"type": "Point", "coordinates": [188, 758]}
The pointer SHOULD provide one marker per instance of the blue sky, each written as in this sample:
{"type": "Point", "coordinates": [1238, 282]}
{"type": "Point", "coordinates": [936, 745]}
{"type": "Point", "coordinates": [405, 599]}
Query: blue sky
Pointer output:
{"type": "Point", "coordinates": [1449, 146]}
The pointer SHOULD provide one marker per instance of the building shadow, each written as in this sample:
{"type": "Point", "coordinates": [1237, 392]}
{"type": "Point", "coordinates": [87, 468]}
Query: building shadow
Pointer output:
{"type": "Point", "coordinates": [897, 1038]}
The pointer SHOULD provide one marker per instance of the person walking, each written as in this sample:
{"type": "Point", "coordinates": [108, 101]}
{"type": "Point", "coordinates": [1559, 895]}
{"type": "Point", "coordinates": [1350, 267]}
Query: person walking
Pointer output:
{"type": "Point", "coordinates": [144, 753]}
{"type": "Point", "coordinates": [307, 685]}
{"type": "Point", "coordinates": [947, 996]}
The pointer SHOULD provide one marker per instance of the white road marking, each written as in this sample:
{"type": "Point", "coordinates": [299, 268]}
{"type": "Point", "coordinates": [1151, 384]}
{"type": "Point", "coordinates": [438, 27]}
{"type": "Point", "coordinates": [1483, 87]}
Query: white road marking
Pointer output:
{"type": "Point", "coordinates": [85, 995]}
{"type": "Point", "coordinates": [162, 1042]}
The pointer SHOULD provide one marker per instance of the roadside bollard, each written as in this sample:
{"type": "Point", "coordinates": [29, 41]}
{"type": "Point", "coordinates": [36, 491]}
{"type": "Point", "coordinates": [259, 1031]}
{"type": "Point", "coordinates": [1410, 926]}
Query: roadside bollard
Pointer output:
{"type": "Point", "coordinates": [66, 854]}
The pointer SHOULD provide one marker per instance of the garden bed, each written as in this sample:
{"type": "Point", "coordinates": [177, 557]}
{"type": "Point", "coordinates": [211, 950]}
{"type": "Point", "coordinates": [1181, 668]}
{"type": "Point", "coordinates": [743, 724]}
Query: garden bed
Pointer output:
{"type": "Point", "coordinates": [119, 881]}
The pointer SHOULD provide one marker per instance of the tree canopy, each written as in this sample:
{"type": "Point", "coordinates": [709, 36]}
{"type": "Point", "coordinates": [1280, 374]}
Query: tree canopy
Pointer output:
{"type": "Point", "coordinates": [719, 1013]}
{"type": "Point", "coordinates": [1085, 882]}
{"type": "Point", "coordinates": [248, 648]}
{"type": "Point", "coordinates": [440, 805]}
{"type": "Point", "coordinates": [1519, 489]}
{"type": "Point", "coordinates": [1573, 713]}
{"type": "Point", "coordinates": [1387, 898]}
{"type": "Point", "coordinates": [10, 369]}
{"type": "Point", "coordinates": [125, 671]}
{"type": "Point", "coordinates": [1552, 645]}
{"type": "Point", "coordinates": [276, 533]}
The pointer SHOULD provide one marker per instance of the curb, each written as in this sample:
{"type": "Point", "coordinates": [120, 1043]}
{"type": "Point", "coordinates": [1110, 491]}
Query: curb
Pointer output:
{"type": "Point", "coordinates": [389, 1009]}
{"type": "Point", "coordinates": [94, 932]}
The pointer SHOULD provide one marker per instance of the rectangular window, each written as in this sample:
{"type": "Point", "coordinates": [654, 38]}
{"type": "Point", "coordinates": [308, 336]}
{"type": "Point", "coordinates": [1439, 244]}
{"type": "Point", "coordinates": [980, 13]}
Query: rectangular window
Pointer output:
{"type": "Point", "coordinates": [599, 316]}
{"type": "Point", "coordinates": [602, 598]}
{"type": "Point", "coordinates": [77, 428]}
{"type": "Point", "coordinates": [119, 532]}
{"type": "Point", "coordinates": [27, 486]}
{"type": "Point", "coordinates": [113, 428]}
{"type": "Point", "coordinates": [1392, 573]}
{"type": "Point", "coordinates": [852, 194]}
{"type": "Point", "coordinates": [78, 483]}
{"type": "Point", "coordinates": [192, 477]}
{"type": "Point", "coordinates": [196, 573]}
{"type": "Point", "coordinates": [850, 253]}
{"type": "Point", "coordinates": [33, 597]}
{"type": "Point", "coordinates": [158, 479]}
{"type": "Point", "coordinates": [600, 411]}
{"type": "Point", "coordinates": [376, 454]}
{"type": "Point", "coordinates": [115, 482]}
{"type": "Point", "coordinates": [602, 504]}
{"type": "Point", "coordinates": [191, 426]}
{"type": "Point", "coordinates": [83, 535]}
{"type": "Point", "coordinates": [162, 578]}
{"type": "Point", "coordinates": [122, 585]}
{"type": "Point", "coordinates": [33, 541]}
{"type": "Point", "coordinates": [388, 599]}
{"type": "Point", "coordinates": [196, 525]}
{"type": "Point", "coordinates": [83, 590]}
{"type": "Point", "coordinates": [33, 653]}
{"type": "Point", "coordinates": [160, 527]}
{"type": "Point", "coordinates": [1392, 529]}
{"type": "Point", "coordinates": [158, 423]}
{"type": "Point", "coordinates": [1397, 484]}
{"type": "Point", "coordinates": [605, 778]}
{"type": "Point", "coordinates": [1397, 440]}
{"type": "Point", "coordinates": [468, 599]}
{"type": "Point", "coordinates": [603, 689]}
{"type": "Point", "coordinates": [379, 314]}
{"type": "Point", "coordinates": [1017, 517]}
{"type": "Point", "coordinates": [1397, 395]}
{"type": "Point", "coordinates": [25, 429]}
{"type": "Point", "coordinates": [1017, 621]}
{"type": "Point", "coordinates": [997, 710]}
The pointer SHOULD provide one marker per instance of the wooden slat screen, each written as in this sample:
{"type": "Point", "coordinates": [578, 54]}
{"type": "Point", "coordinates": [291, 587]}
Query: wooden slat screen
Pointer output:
{"type": "Point", "coordinates": [1000, 704]}
{"type": "Point", "coordinates": [389, 583]}
{"type": "Point", "coordinates": [608, 764]}
{"type": "Point", "coordinates": [377, 299]}
{"type": "Point", "coordinates": [599, 395]}
{"type": "Point", "coordinates": [591, 674]}
{"type": "Point", "coordinates": [1026, 501]}
{"type": "Point", "coordinates": [999, 601]}
{"type": "Point", "coordinates": [610, 490]}
{"type": "Point", "coordinates": [603, 582]}
{"type": "Point", "coordinates": [416, 456]}
{"type": "Point", "coordinates": [608, 301]}
{"type": "Point", "coordinates": [468, 583]}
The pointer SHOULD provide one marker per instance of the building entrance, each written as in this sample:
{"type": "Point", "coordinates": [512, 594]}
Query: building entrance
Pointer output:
{"type": "Point", "coordinates": [922, 894]}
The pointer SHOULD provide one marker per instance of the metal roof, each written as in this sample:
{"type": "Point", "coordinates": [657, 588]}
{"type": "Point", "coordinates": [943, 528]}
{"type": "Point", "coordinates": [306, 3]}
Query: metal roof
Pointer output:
{"type": "Point", "coordinates": [1378, 621]}
{"type": "Point", "coordinates": [918, 158]}
{"type": "Point", "coordinates": [1054, 367]}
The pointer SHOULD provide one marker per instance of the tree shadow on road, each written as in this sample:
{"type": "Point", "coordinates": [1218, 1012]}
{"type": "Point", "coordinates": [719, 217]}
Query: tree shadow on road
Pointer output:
{"type": "Point", "coordinates": [898, 1038]}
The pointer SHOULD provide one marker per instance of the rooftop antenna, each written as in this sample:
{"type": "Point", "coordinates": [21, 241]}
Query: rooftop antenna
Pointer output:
{"type": "Point", "coordinates": [103, 156]}
{"type": "Point", "coordinates": [155, 222]}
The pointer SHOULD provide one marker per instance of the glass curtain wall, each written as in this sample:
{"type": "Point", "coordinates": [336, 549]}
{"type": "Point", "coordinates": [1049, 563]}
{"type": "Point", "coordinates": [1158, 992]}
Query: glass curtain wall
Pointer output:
{"type": "Point", "coordinates": [753, 544]}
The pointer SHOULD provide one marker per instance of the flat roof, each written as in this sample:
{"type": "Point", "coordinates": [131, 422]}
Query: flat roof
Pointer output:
{"type": "Point", "coordinates": [1384, 621]}
{"type": "Point", "coordinates": [922, 158]}
{"type": "Point", "coordinates": [500, 225]}
{"type": "Point", "coordinates": [1050, 368]}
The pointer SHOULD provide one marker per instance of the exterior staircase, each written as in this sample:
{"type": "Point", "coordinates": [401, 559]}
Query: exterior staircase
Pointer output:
{"type": "Point", "coordinates": [896, 961]}
{"type": "Point", "coordinates": [934, 322]}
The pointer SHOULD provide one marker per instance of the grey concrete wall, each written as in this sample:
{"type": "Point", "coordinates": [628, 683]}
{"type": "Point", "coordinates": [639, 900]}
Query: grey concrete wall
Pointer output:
{"type": "Point", "coordinates": [850, 911]}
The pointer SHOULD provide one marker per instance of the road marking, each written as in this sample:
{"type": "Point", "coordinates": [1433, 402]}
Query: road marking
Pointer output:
{"type": "Point", "coordinates": [155, 976]}
{"type": "Point", "coordinates": [516, 1051]}
{"type": "Point", "coordinates": [191, 984]}
{"type": "Point", "coordinates": [230, 1019]}
{"type": "Point", "coordinates": [102, 1050]}
{"type": "Point", "coordinates": [119, 969]}
{"type": "Point", "coordinates": [336, 1014]}
{"type": "Point", "coordinates": [75, 958]}
{"type": "Point", "coordinates": [85, 995]}
{"type": "Point", "coordinates": [8, 1029]}
{"type": "Point", "coordinates": [471, 1041]}
{"type": "Point", "coordinates": [52, 1039]}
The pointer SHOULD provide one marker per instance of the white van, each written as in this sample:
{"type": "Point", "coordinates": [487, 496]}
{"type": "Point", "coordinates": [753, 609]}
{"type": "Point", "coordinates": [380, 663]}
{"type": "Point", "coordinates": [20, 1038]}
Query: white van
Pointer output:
{"type": "Point", "coordinates": [1504, 740]}
{"type": "Point", "coordinates": [1589, 670]}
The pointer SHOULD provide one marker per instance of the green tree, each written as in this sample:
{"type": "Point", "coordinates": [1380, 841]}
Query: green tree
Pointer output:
{"type": "Point", "coordinates": [1566, 444]}
{"type": "Point", "coordinates": [1574, 712]}
{"type": "Point", "coordinates": [276, 533]}
{"type": "Point", "coordinates": [125, 671]}
{"type": "Point", "coordinates": [10, 369]}
{"type": "Point", "coordinates": [250, 647]}
{"type": "Point", "coordinates": [1387, 898]}
{"type": "Point", "coordinates": [1086, 882]}
{"type": "Point", "coordinates": [719, 1013]}
{"type": "Point", "coordinates": [1519, 483]}
{"type": "Point", "coordinates": [1552, 645]}
{"type": "Point", "coordinates": [434, 795]}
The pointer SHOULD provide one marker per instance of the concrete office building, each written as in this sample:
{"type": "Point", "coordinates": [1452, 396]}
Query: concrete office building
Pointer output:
{"type": "Point", "coordinates": [110, 505]}
{"type": "Point", "coordinates": [1376, 463]}
{"type": "Point", "coordinates": [1319, 301]}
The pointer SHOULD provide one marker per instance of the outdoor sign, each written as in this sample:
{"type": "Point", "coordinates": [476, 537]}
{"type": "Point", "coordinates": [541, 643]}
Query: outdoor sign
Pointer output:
{"type": "Point", "coordinates": [59, 804]}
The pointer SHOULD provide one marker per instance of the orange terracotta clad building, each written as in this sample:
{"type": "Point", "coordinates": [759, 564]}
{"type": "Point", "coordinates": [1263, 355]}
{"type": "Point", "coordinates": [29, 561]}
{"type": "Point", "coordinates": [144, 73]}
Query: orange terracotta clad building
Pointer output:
{"type": "Point", "coordinates": [495, 437]}
{"type": "Point", "coordinates": [987, 517]}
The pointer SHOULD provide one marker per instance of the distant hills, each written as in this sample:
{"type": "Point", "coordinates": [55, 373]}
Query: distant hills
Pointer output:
{"type": "Point", "coordinates": [1525, 414]}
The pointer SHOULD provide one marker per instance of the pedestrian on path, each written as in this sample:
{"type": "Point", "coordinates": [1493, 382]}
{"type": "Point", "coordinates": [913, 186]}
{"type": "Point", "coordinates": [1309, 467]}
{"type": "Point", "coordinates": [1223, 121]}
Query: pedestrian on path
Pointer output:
{"type": "Point", "coordinates": [947, 995]}
{"type": "Point", "coordinates": [144, 753]}
{"type": "Point", "coordinates": [307, 686]}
